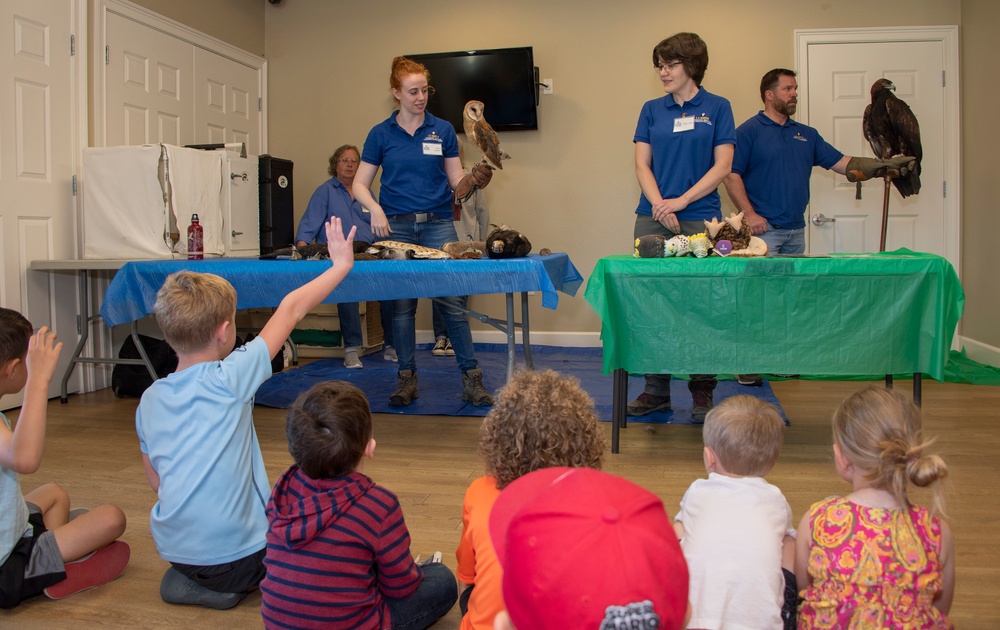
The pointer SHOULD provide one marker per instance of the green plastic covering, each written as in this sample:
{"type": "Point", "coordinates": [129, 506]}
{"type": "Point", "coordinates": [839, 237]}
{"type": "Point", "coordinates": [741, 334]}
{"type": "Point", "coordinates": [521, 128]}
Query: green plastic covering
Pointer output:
{"type": "Point", "coordinates": [320, 338]}
{"type": "Point", "coordinates": [846, 314]}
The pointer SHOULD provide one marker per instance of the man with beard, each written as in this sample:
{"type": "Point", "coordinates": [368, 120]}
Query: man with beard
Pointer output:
{"type": "Point", "coordinates": [774, 158]}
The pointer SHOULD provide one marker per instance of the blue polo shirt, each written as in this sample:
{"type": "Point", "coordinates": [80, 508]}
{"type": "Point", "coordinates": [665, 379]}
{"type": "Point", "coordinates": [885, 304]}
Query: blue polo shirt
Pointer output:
{"type": "Point", "coordinates": [413, 175]}
{"type": "Point", "coordinates": [330, 200]}
{"type": "Point", "coordinates": [682, 158]}
{"type": "Point", "coordinates": [775, 162]}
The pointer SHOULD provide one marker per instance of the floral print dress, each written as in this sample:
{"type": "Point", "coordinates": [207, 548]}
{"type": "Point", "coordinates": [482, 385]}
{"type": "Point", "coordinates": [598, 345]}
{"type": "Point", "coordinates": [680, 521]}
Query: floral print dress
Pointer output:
{"type": "Point", "coordinates": [872, 567]}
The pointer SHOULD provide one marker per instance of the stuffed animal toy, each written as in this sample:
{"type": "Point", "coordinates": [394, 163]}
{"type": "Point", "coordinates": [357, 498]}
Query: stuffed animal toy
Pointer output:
{"type": "Point", "coordinates": [757, 247]}
{"type": "Point", "coordinates": [700, 245]}
{"type": "Point", "coordinates": [658, 246]}
{"type": "Point", "coordinates": [733, 229]}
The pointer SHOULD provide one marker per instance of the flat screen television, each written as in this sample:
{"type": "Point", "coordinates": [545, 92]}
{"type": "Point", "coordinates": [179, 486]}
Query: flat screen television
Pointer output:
{"type": "Point", "coordinates": [504, 79]}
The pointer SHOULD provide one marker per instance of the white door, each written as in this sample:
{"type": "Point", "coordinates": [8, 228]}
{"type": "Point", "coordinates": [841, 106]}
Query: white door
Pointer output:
{"type": "Point", "coordinates": [228, 94]}
{"type": "Point", "coordinates": [839, 78]}
{"type": "Point", "coordinates": [148, 85]}
{"type": "Point", "coordinates": [157, 80]}
{"type": "Point", "coordinates": [37, 162]}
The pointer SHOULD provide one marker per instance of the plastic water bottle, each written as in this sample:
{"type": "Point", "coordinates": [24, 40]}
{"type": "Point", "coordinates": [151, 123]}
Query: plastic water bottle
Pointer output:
{"type": "Point", "coordinates": [196, 239]}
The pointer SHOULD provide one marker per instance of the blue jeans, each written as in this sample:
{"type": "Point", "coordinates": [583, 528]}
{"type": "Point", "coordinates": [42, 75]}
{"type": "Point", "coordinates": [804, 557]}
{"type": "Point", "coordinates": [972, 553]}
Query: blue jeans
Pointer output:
{"type": "Point", "coordinates": [350, 323]}
{"type": "Point", "coordinates": [432, 600]}
{"type": "Point", "coordinates": [404, 331]}
{"type": "Point", "coordinates": [440, 327]}
{"type": "Point", "coordinates": [782, 241]}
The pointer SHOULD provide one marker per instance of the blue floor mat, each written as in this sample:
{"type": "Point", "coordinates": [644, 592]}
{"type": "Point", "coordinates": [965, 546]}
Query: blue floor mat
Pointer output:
{"type": "Point", "coordinates": [440, 382]}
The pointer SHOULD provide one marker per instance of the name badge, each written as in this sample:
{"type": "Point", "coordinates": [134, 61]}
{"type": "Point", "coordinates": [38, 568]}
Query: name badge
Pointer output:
{"type": "Point", "coordinates": [433, 148]}
{"type": "Point", "coordinates": [684, 123]}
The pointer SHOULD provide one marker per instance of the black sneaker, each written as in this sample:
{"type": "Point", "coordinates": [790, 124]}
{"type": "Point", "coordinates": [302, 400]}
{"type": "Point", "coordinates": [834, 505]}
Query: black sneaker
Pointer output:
{"type": "Point", "coordinates": [646, 404]}
{"type": "Point", "coordinates": [750, 380]}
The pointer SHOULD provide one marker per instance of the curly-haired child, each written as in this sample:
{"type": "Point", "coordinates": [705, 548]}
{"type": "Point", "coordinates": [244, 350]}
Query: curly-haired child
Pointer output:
{"type": "Point", "coordinates": [872, 558]}
{"type": "Point", "coordinates": [539, 420]}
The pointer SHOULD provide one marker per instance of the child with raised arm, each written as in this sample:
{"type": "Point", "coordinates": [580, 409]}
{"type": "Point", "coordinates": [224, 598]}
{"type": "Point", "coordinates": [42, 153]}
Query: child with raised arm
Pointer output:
{"type": "Point", "coordinates": [338, 551]}
{"type": "Point", "coordinates": [40, 547]}
{"type": "Point", "coordinates": [736, 528]}
{"type": "Point", "coordinates": [540, 419]}
{"type": "Point", "coordinates": [872, 558]}
{"type": "Point", "coordinates": [196, 432]}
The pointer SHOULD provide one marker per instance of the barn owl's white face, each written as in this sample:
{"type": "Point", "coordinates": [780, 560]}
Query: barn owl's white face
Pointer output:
{"type": "Point", "coordinates": [474, 111]}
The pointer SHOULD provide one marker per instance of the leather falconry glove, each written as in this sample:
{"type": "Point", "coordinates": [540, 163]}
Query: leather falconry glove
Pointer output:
{"type": "Point", "coordinates": [477, 179]}
{"type": "Point", "coordinates": [860, 169]}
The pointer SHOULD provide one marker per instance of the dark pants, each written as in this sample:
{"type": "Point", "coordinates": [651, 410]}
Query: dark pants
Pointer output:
{"type": "Point", "coordinates": [432, 600]}
{"type": "Point", "coordinates": [238, 576]}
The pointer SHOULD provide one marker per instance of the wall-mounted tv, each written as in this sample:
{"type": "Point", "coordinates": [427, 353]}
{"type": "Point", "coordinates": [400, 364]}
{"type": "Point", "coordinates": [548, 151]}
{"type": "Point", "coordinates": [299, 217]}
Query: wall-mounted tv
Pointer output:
{"type": "Point", "coordinates": [504, 79]}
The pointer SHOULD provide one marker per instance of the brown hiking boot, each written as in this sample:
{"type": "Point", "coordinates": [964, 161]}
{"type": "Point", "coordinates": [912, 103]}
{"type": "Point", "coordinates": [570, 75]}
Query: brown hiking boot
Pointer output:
{"type": "Point", "coordinates": [406, 391]}
{"type": "Point", "coordinates": [473, 390]}
{"type": "Point", "coordinates": [647, 403]}
{"type": "Point", "coordinates": [701, 393]}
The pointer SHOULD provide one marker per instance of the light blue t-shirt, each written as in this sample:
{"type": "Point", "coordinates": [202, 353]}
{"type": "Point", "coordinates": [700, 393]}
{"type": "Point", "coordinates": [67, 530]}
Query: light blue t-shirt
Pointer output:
{"type": "Point", "coordinates": [196, 426]}
{"type": "Point", "coordinates": [13, 509]}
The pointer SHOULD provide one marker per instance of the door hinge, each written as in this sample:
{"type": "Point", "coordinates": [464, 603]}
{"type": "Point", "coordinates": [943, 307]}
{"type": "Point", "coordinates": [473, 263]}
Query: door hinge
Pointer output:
{"type": "Point", "coordinates": [74, 185]}
{"type": "Point", "coordinates": [259, 103]}
{"type": "Point", "coordinates": [107, 55]}
{"type": "Point", "coordinates": [944, 78]}
{"type": "Point", "coordinates": [72, 45]}
{"type": "Point", "coordinates": [944, 189]}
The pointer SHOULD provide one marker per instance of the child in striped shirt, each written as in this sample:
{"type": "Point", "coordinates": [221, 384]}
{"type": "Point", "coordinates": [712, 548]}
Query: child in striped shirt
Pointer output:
{"type": "Point", "coordinates": [338, 551]}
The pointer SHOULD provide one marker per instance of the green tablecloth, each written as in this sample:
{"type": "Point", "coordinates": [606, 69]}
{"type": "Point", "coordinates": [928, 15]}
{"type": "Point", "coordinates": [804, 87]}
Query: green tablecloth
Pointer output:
{"type": "Point", "coordinates": [888, 313]}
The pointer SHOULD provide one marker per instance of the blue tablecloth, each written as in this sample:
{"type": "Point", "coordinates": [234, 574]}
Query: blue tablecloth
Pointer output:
{"type": "Point", "coordinates": [263, 283]}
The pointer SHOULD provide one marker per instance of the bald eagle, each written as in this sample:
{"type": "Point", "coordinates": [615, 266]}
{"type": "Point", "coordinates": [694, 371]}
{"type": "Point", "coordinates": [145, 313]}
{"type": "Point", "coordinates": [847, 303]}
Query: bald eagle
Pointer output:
{"type": "Point", "coordinates": [891, 129]}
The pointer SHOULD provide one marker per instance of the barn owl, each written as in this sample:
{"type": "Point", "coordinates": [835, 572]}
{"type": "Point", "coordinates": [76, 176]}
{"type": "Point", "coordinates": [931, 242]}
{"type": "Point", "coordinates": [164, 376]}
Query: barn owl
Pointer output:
{"type": "Point", "coordinates": [481, 135]}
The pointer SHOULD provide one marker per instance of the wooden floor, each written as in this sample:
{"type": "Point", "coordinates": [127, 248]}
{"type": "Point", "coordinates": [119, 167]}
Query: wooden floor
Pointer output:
{"type": "Point", "coordinates": [428, 461]}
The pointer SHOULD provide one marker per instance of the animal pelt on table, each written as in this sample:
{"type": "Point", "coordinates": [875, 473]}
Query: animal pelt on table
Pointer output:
{"type": "Point", "coordinates": [504, 242]}
{"type": "Point", "coordinates": [316, 251]}
{"type": "Point", "coordinates": [470, 250]}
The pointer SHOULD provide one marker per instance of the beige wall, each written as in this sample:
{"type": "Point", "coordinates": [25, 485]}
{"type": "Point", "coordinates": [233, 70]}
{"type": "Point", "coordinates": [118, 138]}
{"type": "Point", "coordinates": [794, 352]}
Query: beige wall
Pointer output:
{"type": "Point", "coordinates": [981, 185]}
{"type": "Point", "coordinates": [236, 22]}
{"type": "Point", "coordinates": [570, 186]}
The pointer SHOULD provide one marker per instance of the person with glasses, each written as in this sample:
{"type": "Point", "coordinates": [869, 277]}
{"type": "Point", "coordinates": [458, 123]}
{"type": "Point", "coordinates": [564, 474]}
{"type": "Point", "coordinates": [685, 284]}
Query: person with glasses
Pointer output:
{"type": "Point", "coordinates": [418, 155]}
{"type": "Point", "coordinates": [335, 198]}
{"type": "Point", "coordinates": [684, 143]}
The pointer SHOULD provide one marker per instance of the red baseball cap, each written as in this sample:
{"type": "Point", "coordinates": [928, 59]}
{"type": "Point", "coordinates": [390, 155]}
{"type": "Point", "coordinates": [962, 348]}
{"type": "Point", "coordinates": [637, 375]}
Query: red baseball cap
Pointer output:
{"type": "Point", "coordinates": [584, 549]}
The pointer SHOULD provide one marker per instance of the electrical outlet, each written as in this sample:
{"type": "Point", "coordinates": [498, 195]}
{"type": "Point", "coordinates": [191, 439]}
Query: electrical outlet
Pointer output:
{"type": "Point", "coordinates": [546, 86]}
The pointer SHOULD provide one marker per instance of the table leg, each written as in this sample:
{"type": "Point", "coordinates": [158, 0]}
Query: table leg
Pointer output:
{"type": "Point", "coordinates": [508, 327]}
{"type": "Point", "coordinates": [619, 399]}
{"type": "Point", "coordinates": [511, 339]}
{"type": "Point", "coordinates": [918, 382]}
{"type": "Point", "coordinates": [525, 341]}
{"type": "Point", "coordinates": [83, 328]}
